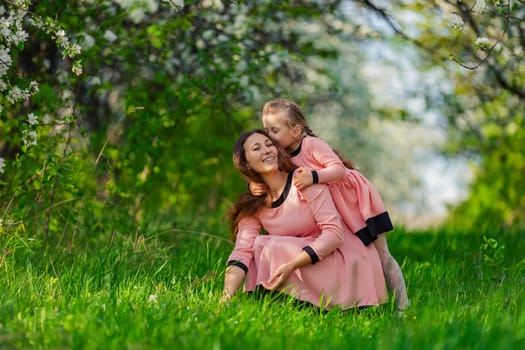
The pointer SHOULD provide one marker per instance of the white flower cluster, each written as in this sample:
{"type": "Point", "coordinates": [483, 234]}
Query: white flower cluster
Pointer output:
{"type": "Point", "coordinates": [29, 137]}
{"type": "Point", "coordinates": [13, 15]}
{"type": "Point", "coordinates": [12, 34]}
{"type": "Point", "coordinates": [11, 26]}
{"type": "Point", "coordinates": [455, 21]}
{"type": "Point", "coordinates": [479, 7]}
{"type": "Point", "coordinates": [178, 4]}
{"type": "Point", "coordinates": [69, 49]}
{"type": "Point", "coordinates": [482, 43]}
{"type": "Point", "coordinates": [2, 165]}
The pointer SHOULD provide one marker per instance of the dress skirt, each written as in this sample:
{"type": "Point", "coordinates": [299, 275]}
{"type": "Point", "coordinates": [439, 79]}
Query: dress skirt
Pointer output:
{"type": "Point", "coordinates": [349, 277]}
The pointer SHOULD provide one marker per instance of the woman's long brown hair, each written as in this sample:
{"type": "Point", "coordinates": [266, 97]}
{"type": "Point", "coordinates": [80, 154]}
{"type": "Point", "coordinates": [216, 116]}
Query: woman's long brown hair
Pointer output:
{"type": "Point", "coordinates": [248, 205]}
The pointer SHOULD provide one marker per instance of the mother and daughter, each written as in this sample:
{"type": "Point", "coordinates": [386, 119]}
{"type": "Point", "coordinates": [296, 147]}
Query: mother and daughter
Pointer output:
{"type": "Point", "coordinates": [325, 221]}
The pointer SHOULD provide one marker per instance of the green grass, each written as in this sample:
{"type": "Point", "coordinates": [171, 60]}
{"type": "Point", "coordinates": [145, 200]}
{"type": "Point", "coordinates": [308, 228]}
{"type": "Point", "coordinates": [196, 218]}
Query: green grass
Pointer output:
{"type": "Point", "coordinates": [162, 291]}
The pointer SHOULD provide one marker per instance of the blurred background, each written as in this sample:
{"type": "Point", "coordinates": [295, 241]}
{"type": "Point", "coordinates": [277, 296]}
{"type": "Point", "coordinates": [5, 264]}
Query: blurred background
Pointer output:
{"type": "Point", "coordinates": [121, 115]}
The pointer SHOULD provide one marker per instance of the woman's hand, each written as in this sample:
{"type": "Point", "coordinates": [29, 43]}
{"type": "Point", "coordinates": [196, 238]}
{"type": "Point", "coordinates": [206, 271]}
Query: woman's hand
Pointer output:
{"type": "Point", "coordinates": [226, 296]}
{"type": "Point", "coordinates": [279, 277]}
{"type": "Point", "coordinates": [303, 178]}
{"type": "Point", "coordinates": [284, 271]}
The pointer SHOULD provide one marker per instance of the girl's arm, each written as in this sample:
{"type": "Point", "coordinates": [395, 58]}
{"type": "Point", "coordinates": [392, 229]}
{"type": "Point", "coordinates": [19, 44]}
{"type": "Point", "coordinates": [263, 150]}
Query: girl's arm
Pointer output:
{"type": "Point", "coordinates": [329, 167]}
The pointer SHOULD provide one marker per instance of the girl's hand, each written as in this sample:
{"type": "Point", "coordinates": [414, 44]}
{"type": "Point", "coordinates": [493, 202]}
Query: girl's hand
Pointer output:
{"type": "Point", "coordinates": [279, 277]}
{"type": "Point", "coordinates": [303, 178]}
{"type": "Point", "coordinates": [256, 189]}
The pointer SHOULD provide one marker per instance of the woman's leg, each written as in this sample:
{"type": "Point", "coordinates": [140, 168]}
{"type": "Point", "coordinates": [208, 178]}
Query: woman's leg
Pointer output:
{"type": "Point", "coordinates": [392, 271]}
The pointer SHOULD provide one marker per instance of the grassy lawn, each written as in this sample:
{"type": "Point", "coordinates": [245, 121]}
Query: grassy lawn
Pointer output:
{"type": "Point", "coordinates": [161, 291]}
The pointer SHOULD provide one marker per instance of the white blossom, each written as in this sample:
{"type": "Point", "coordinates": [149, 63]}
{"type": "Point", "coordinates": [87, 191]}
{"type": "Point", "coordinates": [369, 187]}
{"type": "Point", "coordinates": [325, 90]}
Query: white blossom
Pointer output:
{"type": "Point", "coordinates": [178, 4]}
{"type": "Point", "coordinates": [110, 36]}
{"type": "Point", "coordinates": [33, 86]}
{"type": "Point", "coordinates": [94, 81]}
{"type": "Point", "coordinates": [87, 41]}
{"type": "Point", "coordinates": [137, 15]}
{"type": "Point", "coordinates": [455, 21]}
{"type": "Point", "coordinates": [19, 36]}
{"type": "Point", "coordinates": [77, 68]}
{"type": "Point", "coordinates": [152, 298]}
{"type": "Point", "coordinates": [482, 43]}
{"type": "Point", "coordinates": [15, 94]}
{"type": "Point", "coordinates": [32, 119]}
{"type": "Point", "coordinates": [479, 7]}
{"type": "Point", "coordinates": [75, 50]}
{"type": "Point", "coordinates": [208, 34]}
{"type": "Point", "coordinates": [2, 165]}
{"type": "Point", "coordinates": [46, 119]}
{"type": "Point", "coordinates": [29, 138]}
{"type": "Point", "coordinates": [5, 61]}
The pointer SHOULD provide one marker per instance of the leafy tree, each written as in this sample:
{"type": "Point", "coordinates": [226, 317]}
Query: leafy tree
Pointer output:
{"type": "Point", "coordinates": [146, 130]}
{"type": "Point", "coordinates": [481, 45]}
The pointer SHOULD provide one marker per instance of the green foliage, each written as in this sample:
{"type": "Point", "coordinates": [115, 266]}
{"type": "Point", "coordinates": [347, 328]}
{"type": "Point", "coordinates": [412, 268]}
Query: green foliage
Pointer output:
{"type": "Point", "coordinates": [149, 125]}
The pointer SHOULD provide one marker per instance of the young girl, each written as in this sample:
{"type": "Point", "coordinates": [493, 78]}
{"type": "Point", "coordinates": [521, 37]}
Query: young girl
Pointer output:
{"type": "Point", "coordinates": [356, 199]}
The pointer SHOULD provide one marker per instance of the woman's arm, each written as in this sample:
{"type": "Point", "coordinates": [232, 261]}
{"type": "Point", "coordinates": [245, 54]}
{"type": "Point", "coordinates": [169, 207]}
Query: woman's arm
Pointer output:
{"type": "Point", "coordinates": [327, 218]}
{"type": "Point", "coordinates": [240, 258]}
{"type": "Point", "coordinates": [232, 281]}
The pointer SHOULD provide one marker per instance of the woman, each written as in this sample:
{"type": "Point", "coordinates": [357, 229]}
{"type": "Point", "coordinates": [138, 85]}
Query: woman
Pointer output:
{"type": "Point", "coordinates": [306, 253]}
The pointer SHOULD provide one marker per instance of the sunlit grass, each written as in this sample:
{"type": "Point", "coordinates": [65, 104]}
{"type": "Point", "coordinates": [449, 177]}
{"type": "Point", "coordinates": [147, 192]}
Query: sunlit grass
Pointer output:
{"type": "Point", "coordinates": [154, 292]}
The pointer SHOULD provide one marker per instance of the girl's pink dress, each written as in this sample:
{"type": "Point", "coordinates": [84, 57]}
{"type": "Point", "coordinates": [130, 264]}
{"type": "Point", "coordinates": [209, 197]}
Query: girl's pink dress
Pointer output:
{"type": "Point", "coordinates": [344, 273]}
{"type": "Point", "coordinates": [356, 199]}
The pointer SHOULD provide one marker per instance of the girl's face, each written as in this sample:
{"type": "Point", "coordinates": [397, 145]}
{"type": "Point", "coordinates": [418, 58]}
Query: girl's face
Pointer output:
{"type": "Point", "coordinates": [279, 128]}
{"type": "Point", "coordinates": [261, 154]}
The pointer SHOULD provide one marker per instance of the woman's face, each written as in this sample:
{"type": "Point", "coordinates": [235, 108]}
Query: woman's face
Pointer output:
{"type": "Point", "coordinates": [279, 128]}
{"type": "Point", "coordinates": [261, 153]}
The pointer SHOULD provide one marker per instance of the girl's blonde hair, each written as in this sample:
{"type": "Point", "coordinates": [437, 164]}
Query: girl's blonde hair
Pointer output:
{"type": "Point", "coordinates": [295, 116]}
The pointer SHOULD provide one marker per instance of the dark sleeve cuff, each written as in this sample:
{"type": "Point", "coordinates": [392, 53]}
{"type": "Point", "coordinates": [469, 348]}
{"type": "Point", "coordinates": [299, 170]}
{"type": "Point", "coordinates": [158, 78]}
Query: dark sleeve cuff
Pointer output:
{"type": "Point", "coordinates": [315, 176]}
{"type": "Point", "coordinates": [374, 226]}
{"type": "Point", "coordinates": [311, 253]}
{"type": "Point", "coordinates": [238, 264]}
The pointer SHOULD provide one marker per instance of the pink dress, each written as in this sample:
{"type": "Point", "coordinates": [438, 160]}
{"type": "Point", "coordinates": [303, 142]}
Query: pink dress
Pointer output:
{"type": "Point", "coordinates": [356, 199]}
{"type": "Point", "coordinates": [344, 272]}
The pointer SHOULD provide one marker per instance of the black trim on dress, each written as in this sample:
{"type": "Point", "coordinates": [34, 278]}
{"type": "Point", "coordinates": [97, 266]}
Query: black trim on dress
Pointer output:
{"type": "Point", "coordinates": [309, 250]}
{"type": "Point", "coordinates": [374, 226]}
{"type": "Point", "coordinates": [286, 190]}
{"type": "Point", "coordinates": [297, 150]}
{"type": "Point", "coordinates": [315, 177]}
{"type": "Point", "coordinates": [239, 264]}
